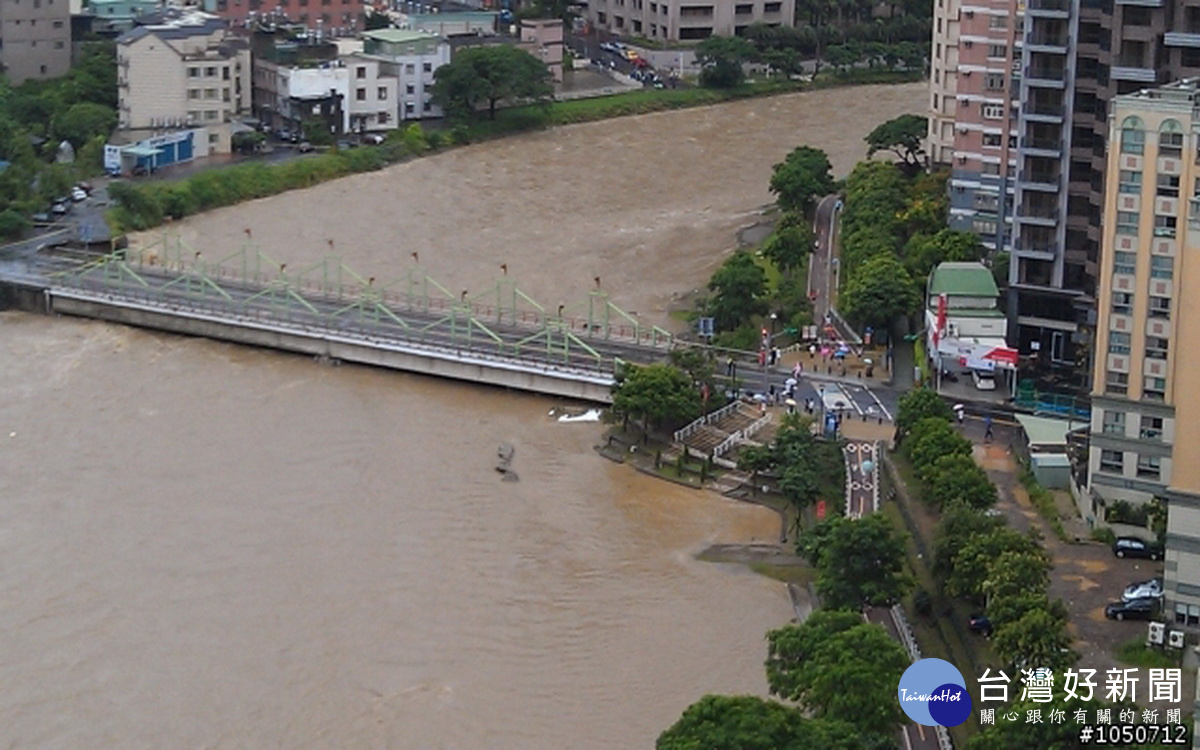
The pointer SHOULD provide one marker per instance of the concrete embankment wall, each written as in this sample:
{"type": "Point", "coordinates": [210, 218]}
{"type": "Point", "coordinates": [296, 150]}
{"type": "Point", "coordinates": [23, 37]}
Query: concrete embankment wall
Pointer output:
{"type": "Point", "coordinates": [441, 363]}
{"type": "Point", "coordinates": [22, 297]}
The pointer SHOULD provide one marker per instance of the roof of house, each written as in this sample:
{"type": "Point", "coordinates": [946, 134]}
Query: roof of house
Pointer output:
{"type": "Point", "coordinates": [1044, 431]}
{"type": "Point", "coordinates": [173, 27]}
{"type": "Point", "coordinates": [963, 279]}
{"type": "Point", "coordinates": [397, 36]}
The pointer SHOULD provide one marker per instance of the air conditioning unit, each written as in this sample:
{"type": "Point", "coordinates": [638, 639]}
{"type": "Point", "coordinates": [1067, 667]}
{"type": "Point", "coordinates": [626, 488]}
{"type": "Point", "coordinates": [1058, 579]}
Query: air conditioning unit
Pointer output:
{"type": "Point", "coordinates": [964, 101]}
{"type": "Point", "coordinates": [1175, 639]}
{"type": "Point", "coordinates": [962, 131]}
{"type": "Point", "coordinates": [962, 160]}
{"type": "Point", "coordinates": [1154, 637]}
{"type": "Point", "coordinates": [969, 13]}
{"type": "Point", "coordinates": [968, 43]}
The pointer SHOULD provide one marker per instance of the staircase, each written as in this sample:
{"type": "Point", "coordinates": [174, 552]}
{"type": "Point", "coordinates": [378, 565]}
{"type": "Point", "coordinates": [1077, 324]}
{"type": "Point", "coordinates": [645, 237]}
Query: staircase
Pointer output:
{"type": "Point", "coordinates": [714, 437]}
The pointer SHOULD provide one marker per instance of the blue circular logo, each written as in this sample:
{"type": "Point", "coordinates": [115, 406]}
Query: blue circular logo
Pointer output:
{"type": "Point", "coordinates": [933, 692]}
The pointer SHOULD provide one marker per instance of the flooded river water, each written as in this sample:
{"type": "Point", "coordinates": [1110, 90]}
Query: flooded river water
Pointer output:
{"type": "Point", "coordinates": [211, 546]}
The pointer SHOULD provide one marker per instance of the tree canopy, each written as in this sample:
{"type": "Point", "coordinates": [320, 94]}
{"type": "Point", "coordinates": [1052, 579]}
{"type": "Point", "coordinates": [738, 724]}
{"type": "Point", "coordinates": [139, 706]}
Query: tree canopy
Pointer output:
{"type": "Point", "coordinates": [791, 243]}
{"type": "Point", "coordinates": [923, 252]}
{"type": "Point", "coordinates": [743, 722]}
{"type": "Point", "coordinates": [956, 477]}
{"type": "Point", "coordinates": [488, 75]}
{"type": "Point", "coordinates": [904, 136]}
{"type": "Point", "coordinates": [835, 665]}
{"type": "Point", "coordinates": [801, 178]}
{"type": "Point", "coordinates": [1037, 639]}
{"type": "Point", "coordinates": [918, 404]}
{"type": "Point", "coordinates": [721, 59]}
{"type": "Point", "coordinates": [739, 287]}
{"type": "Point", "coordinates": [880, 292]}
{"type": "Point", "coordinates": [656, 394]}
{"type": "Point", "coordinates": [859, 562]}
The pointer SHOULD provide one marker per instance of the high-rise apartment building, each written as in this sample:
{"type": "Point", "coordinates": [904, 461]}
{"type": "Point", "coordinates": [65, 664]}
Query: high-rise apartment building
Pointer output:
{"type": "Point", "coordinates": [979, 86]}
{"type": "Point", "coordinates": [943, 83]}
{"type": "Point", "coordinates": [35, 39]}
{"type": "Point", "coordinates": [1142, 443]}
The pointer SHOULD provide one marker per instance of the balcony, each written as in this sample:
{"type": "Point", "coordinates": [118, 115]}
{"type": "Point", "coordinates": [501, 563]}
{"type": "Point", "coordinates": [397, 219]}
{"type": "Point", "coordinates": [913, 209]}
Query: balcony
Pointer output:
{"type": "Point", "coordinates": [1055, 43]}
{"type": "Point", "coordinates": [1042, 181]}
{"type": "Point", "coordinates": [1182, 39]}
{"type": "Point", "coordinates": [1039, 251]}
{"type": "Point", "coordinates": [1049, 147]}
{"type": "Point", "coordinates": [1140, 75]}
{"type": "Point", "coordinates": [1143, 3]}
{"type": "Point", "coordinates": [1043, 112]}
{"type": "Point", "coordinates": [1046, 77]}
{"type": "Point", "coordinates": [1049, 8]}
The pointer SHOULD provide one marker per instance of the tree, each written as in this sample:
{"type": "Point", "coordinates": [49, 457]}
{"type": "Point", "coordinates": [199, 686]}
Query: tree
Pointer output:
{"type": "Point", "coordinates": [957, 477]}
{"type": "Point", "coordinates": [930, 439]}
{"type": "Point", "coordinates": [802, 177]}
{"type": "Point", "coordinates": [879, 292]}
{"type": "Point", "coordinates": [657, 394]}
{"type": "Point", "coordinates": [1038, 639]}
{"type": "Point", "coordinates": [12, 223]}
{"type": "Point", "coordinates": [790, 244]}
{"type": "Point", "coordinates": [972, 564]}
{"type": "Point", "coordinates": [859, 562]}
{"type": "Point", "coordinates": [923, 252]}
{"type": "Point", "coordinates": [743, 722]}
{"type": "Point", "coordinates": [1016, 573]}
{"type": "Point", "coordinates": [739, 286]}
{"type": "Point", "coordinates": [904, 136]}
{"type": "Point", "coordinates": [83, 121]}
{"type": "Point", "coordinates": [960, 524]}
{"type": "Point", "coordinates": [834, 665]}
{"type": "Point", "coordinates": [488, 75]}
{"type": "Point", "coordinates": [721, 59]}
{"type": "Point", "coordinates": [918, 404]}
{"type": "Point", "coordinates": [376, 21]}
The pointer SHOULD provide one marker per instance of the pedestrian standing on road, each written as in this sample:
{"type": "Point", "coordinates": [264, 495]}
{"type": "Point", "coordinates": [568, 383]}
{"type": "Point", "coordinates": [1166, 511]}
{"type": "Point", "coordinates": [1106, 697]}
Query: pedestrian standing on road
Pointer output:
{"type": "Point", "coordinates": [987, 427]}
{"type": "Point", "coordinates": [798, 370]}
{"type": "Point", "coordinates": [958, 412]}
{"type": "Point", "coordinates": [729, 367]}
{"type": "Point", "coordinates": [774, 356]}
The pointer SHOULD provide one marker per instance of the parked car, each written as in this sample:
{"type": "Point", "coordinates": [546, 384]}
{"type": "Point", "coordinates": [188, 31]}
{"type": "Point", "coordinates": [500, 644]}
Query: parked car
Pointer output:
{"type": "Point", "coordinates": [304, 147]}
{"type": "Point", "coordinates": [984, 381]}
{"type": "Point", "coordinates": [1151, 589]}
{"type": "Point", "coordinates": [373, 138]}
{"type": "Point", "coordinates": [1131, 546]}
{"type": "Point", "coordinates": [980, 624]}
{"type": "Point", "coordinates": [42, 218]}
{"type": "Point", "coordinates": [60, 209]}
{"type": "Point", "coordinates": [85, 187]}
{"type": "Point", "coordinates": [77, 195]}
{"type": "Point", "coordinates": [1133, 609]}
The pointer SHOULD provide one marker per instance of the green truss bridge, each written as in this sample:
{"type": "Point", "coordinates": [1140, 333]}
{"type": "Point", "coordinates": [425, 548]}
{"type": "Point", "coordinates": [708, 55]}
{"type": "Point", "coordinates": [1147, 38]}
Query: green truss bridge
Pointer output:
{"type": "Point", "coordinates": [500, 336]}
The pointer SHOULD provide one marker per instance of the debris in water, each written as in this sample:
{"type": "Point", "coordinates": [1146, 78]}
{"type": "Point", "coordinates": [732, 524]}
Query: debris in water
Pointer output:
{"type": "Point", "coordinates": [504, 457]}
{"type": "Point", "coordinates": [591, 415]}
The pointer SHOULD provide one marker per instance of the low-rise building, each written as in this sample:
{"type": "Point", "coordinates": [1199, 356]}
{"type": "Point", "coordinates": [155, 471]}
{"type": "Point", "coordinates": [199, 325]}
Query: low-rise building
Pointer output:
{"type": "Point", "coordinates": [410, 57]}
{"type": "Point", "coordinates": [182, 72]}
{"type": "Point", "coordinates": [687, 20]}
{"type": "Point", "coordinates": [120, 15]}
{"type": "Point", "coordinates": [329, 18]}
{"type": "Point", "coordinates": [963, 320]}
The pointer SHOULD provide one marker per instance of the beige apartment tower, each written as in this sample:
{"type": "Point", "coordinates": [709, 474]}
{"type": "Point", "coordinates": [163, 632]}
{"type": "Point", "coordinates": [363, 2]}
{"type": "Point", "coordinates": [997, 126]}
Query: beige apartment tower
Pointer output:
{"type": "Point", "coordinates": [684, 20]}
{"type": "Point", "coordinates": [1143, 444]}
{"type": "Point", "coordinates": [35, 39]}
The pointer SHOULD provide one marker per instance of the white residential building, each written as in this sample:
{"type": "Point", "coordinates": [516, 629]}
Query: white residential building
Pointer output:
{"type": "Point", "coordinates": [410, 58]}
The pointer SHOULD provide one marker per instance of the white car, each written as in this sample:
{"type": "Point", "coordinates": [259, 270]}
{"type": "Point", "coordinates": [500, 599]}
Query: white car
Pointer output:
{"type": "Point", "coordinates": [78, 195]}
{"type": "Point", "coordinates": [1151, 589]}
{"type": "Point", "coordinates": [984, 381]}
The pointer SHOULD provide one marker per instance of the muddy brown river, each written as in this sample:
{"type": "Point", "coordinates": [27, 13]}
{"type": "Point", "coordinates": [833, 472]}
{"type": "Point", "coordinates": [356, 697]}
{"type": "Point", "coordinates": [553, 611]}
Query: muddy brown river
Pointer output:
{"type": "Point", "coordinates": [210, 546]}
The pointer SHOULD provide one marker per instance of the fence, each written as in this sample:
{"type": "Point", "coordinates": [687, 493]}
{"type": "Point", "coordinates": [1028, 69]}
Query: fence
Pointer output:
{"type": "Point", "coordinates": [712, 416]}
{"type": "Point", "coordinates": [740, 436]}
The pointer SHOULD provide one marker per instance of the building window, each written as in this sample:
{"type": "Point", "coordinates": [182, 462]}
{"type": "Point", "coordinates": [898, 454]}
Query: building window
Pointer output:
{"type": "Point", "coordinates": [1154, 389]}
{"type": "Point", "coordinates": [408, 108]}
{"type": "Point", "coordinates": [210, 72]}
{"type": "Point", "coordinates": [991, 139]}
{"type": "Point", "coordinates": [360, 71]}
{"type": "Point", "coordinates": [213, 138]}
{"type": "Point", "coordinates": [983, 227]}
{"type": "Point", "coordinates": [427, 67]}
{"type": "Point", "coordinates": [1168, 186]}
{"type": "Point", "coordinates": [193, 93]}
{"type": "Point", "coordinates": [1112, 461]}
{"type": "Point", "coordinates": [998, 22]}
{"type": "Point", "coordinates": [1129, 182]}
{"type": "Point", "coordinates": [1160, 307]}
{"type": "Point", "coordinates": [1148, 467]}
{"type": "Point", "coordinates": [1164, 226]}
{"type": "Point", "coordinates": [994, 82]}
{"type": "Point", "coordinates": [360, 95]}
{"type": "Point", "coordinates": [193, 72]}
{"type": "Point", "coordinates": [1122, 303]}
{"type": "Point", "coordinates": [58, 45]}
{"type": "Point", "coordinates": [1170, 142]}
{"type": "Point", "coordinates": [772, 7]}
{"type": "Point", "coordinates": [993, 111]}
{"type": "Point", "coordinates": [987, 201]}
{"type": "Point", "coordinates": [1156, 347]}
{"type": "Point", "coordinates": [1152, 428]}
{"type": "Point", "coordinates": [1118, 342]}
{"type": "Point", "coordinates": [410, 69]}
{"type": "Point", "coordinates": [381, 93]}
{"type": "Point", "coordinates": [1116, 383]}
{"type": "Point", "coordinates": [211, 114]}
{"type": "Point", "coordinates": [1127, 222]}
{"type": "Point", "coordinates": [58, 24]}
{"type": "Point", "coordinates": [428, 106]}
{"type": "Point", "coordinates": [1162, 267]}
{"type": "Point", "coordinates": [1114, 423]}
{"type": "Point", "coordinates": [997, 50]}
{"type": "Point", "coordinates": [410, 89]}
{"type": "Point", "coordinates": [210, 94]}
{"type": "Point", "coordinates": [1124, 262]}
{"type": "Point", "coordinates": [1187, 614]}
{"type": "Point", "coordinates": [991, 168]}
{"type": "Point", "coordinates": [1133, 138]}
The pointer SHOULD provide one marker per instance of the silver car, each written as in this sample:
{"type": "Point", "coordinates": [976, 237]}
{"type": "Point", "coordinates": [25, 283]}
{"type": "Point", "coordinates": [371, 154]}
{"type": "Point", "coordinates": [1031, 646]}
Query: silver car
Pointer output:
{"type": "Point", "coordinates": [1151, 589]}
